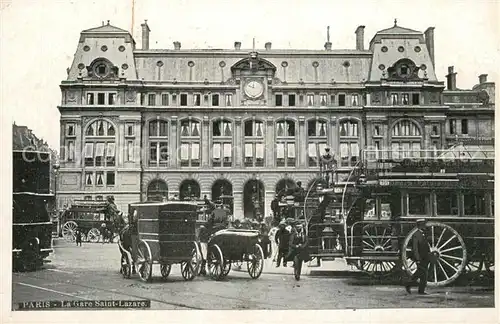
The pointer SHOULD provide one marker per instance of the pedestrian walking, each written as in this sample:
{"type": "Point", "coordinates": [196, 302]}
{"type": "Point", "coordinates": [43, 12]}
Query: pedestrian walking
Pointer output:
{"type": "Point", "coordinates": [78, 236]}
{"type": "Point", "coordinates": [282, 239]}
{"type": "Point", "coordinates": [421, 253]}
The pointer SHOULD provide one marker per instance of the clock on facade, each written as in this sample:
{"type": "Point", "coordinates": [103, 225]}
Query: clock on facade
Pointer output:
{"type": "Point", "coordinates": [254, 89]}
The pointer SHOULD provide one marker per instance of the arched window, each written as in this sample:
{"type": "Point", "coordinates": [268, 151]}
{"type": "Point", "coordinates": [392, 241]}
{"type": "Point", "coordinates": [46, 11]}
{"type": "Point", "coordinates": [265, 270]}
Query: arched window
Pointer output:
{"type": "Point", "coordinates": [189, 190]}
{"type": "Point", "coordinates": [157, 190]}
{"type": "Point", "coordinates": [222, 143]}
{"type": "Point", "coordinates": [285, 143]}
{"type": "Point", "coordinates": [406, 140]}
{"type": "Point", "coordinates": [99, 151]}
{"type": "Point", "coordinates": [254, 143]}
{"type": "Point", "coordinates": [349, 143]}
{"type": "Point", "coordinates": [317, 139]}
{"type": "Point", "coordinates": [158, 142]}
{"type": "Point", "coordinates": [190, 134]}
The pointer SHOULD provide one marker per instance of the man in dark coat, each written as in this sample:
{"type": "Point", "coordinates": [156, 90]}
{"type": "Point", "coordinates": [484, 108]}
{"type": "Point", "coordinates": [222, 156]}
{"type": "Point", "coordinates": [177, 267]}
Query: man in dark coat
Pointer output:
{"type": "Point", "coordinates": [275, 209]}
{"type": "Point", "coordinates": [282, 239]}
{"type": "Point", "coordinates": [421, 253]}
{"type": "Point", "coordinates": [299, 193]}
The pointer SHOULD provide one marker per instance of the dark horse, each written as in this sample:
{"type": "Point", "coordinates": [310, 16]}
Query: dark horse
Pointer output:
{"type": "Point", "coordinates": [125, 246]}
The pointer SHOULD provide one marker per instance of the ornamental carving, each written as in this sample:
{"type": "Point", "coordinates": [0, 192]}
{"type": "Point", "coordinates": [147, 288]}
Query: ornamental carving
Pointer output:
{"type": "Point", "coordinates": [403, 70]}
{"type": "Point", "coordinates": [71, 96]}
{"type": "Point", "coordinates": [130, 96]}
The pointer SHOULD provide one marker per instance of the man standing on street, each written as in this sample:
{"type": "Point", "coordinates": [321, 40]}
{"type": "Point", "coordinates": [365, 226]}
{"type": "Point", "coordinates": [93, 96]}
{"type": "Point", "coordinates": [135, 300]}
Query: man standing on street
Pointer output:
{"type": "Point", "coordinates": [421, 253]}
{"type": "Point", "coordinates": [282, 239]}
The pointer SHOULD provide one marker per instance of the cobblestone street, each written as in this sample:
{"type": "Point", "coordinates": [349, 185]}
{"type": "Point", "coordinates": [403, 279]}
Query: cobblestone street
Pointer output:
{"type": "Point", "coordinates": [92, 272]}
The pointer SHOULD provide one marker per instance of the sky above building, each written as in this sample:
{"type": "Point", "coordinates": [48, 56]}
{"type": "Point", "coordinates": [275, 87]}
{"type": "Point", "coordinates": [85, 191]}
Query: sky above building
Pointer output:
{"type": "Point", "coordinates": [39, 38]}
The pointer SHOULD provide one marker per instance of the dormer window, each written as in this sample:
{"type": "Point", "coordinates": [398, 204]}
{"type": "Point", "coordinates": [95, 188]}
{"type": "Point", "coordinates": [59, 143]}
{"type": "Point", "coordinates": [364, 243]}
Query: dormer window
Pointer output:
{"type": "Point", "coordinates": [101, 70]}
{"type": "Point", "coordinates": [404, 70]}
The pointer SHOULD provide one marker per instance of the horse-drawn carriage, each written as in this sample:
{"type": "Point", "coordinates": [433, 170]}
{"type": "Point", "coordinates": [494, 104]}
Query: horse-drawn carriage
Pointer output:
{"type": "Point", "coordinates": [88, 216]}
{"type": "Point", "coordinates": [230, 246]}
{"type": "Point", "coordinates": [166, 235]}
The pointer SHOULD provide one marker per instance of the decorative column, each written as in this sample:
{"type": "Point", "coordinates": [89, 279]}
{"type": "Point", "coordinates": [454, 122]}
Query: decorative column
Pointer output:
{"type": "Point", "coordinates": [270, 143]}
{"type": "Point", "coordinates": [238, 146]}
{"type": "Point", "coordinates": [301, 151]}
{"type": "Point", "coordinates": [173, 143]}
{"type": "Point", "coordinates": [205, 143]}
{"type": "Point", "coordinates": [333, 136]}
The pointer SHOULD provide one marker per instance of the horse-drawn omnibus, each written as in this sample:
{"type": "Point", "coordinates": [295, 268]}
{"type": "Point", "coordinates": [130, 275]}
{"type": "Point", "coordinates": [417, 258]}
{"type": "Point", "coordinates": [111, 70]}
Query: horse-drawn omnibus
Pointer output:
{"type": "Point", "coordinates": [31, 224]}
{"type": "Point", "coordinates": [369, 218]}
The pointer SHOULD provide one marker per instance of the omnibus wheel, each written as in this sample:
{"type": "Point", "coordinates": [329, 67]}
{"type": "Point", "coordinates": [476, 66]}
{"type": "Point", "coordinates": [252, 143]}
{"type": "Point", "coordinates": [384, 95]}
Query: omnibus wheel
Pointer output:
{"type": "Point", "coordinates": [215, 261]}
{"type": "Point", "coordinates": [144, 261]}
{"type": "Point", "coordinates": [448, 254]}
{"type": "Point", "coordinates": [256, 263]}
{"type": "Point", "coordinates": [68, 231]}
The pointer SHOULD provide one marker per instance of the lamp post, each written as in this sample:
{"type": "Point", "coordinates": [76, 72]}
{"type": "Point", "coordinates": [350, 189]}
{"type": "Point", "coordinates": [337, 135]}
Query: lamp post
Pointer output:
{"type": "Point", "coordinates": [55, 169]}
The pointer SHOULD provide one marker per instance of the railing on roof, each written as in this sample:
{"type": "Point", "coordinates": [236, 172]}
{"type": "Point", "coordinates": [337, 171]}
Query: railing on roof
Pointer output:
{"type": "Point", "coordinates": [448, 155]}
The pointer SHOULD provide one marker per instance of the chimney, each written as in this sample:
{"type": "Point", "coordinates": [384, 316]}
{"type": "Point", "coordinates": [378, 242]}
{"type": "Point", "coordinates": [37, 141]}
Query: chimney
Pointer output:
{"type": "Point", "coordinates": [483, 78]}
{"type": "Point", "coordinates": [177, 46]}
{"type": "Point", "coordinates": [328, 44]}
{"type": "Point", "coordinates": [145, 35]}
{"type": "Point", "coordinates": [268, 46]}
{"type": "Point", "coordinates": [451, 78]}
{"type": "Point", "coordinates": [360, 38]}
{"type": "Point", "coordinates": [429, 41]}
{"type": "Point", "coordinates": [237, 46]}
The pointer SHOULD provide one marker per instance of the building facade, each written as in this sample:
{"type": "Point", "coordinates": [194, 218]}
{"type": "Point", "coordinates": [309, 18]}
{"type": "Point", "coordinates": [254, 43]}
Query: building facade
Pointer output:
{"type": "Point", "coordinates": [144, 124]}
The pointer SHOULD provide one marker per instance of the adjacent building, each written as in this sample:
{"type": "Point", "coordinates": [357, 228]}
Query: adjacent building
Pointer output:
{"type": "Point", "coordinates": [146, 124]}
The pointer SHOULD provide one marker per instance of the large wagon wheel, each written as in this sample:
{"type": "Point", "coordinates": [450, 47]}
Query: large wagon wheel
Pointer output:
{"type": "Point", "coordinates": [189, 269]}
{"type": "Point", "coordinates": [199, 258]}
{"type": "Point", "coordinates": [489, 264]}
{"type": "Point", "coordinates": [165, 270]}
{"type": "Point", "coordinates": [93, 235]}
{"type": "Point", "coordinates": [68, 231]}
{"type": "Point", "coordinates": [215, 261]}
{"type": "Point", "coordinates": [448, 254]}
{"type": "Point", "coordinates": [256, 263]}
{"type": "Point", "coordinates": [144, 261]}
{"type": "Point", "coordinates": [377, 238]}
{"type": "Point", "coordinates": [126, 268]}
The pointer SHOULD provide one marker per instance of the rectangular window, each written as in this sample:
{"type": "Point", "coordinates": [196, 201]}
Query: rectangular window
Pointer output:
{"type": "Point", "coordinates": [227, 154]}
{"type": "Point", "coordinates": [354, 100]}
{"type": "Point", "coordinates": [129, 129]}
{"type": "Point", "coordinates": [417, 203]}
{"type": "Point", "coordinates": [89, 178]}
{"type": "Point", "coordinates": [301, 100]}
{"type": "Point", "coordinates": [310, 100]}
{"type": "Point", "coordinates": [151, 99]}
{"type": "Point", "coordinates": [71, 151]}
{"type": "Point", "coordinates": [130, 151]}
{"type": "Point", "coordinates": [332, 100]}
{"type": "Point", "coordinates": [259, 154]}
{"type": "Point", "coordinates": [89, 154]}
{"type": "Point", "coordinates": [465, 126]}
{"type": "Point", "coordinates": [184, 99]}
{"type": "Point", "coordinates": [280, 154]}
{"type": "Point", "coordinates": [184, 154]}
{"type": "Point", "coordinates": [229, 100]}
{"type": "Point", "coordinates": [197, 99]}
{"type": "Point", "coordinates": [435, 130]}
{"type": "Point", "coordinates": [90, 98]}
{"type": "Point", "coordinates": [249, 157]}
{"type": "Point", "coordinates": [405, 98]}
{"type": "Point", "coordinates": [376, 130]}
{"type": "Point", "coordinates": [216, 152]}
{"type": "Point", "coordinates": [215, 99]}
{"type": "Point", "coordinates": [110, 154]}
{"type": "Point", "coordinates": [291, 100]}
{"type": "Point", "coordinates": [100, 98]}
{"type": "Point", "coordinates": [195, 154]}
{"type": "Point", "coordinates": [279, 100]}
{"type": "Point", "coordinates": [99, 178]}
{"type": "Point", "coordinates": [447, 203]}
{"type": "Point", "coordinates": [174, 100]}
{"type": "Point", "coordinates": [164, 99]}
{"type": "Point", "coordinates": [163, 152]}
{"type": "Point", "coordinates": [344, 154]}
{"type": "Point", "coordinates": [323, 100]}
{"type": "Point", "coordinates": [394, 99]}
{"type": "Point", "coordinates": [153, 152]}
{"type": "Point", "coordinates": [70, 129]}
{"type": "Point", "coordinates": [110, 178]}
{"type": "Point", "coordinates": [342, 100]}
{"type": "Point", "coordinates": [453, 126]}
{"type": "Point", "coordinates": [415, 99]}
{"type": "Point", "coordinates": [290, 154]}
{"type": "Point", "coordinates": [474, 203]}
{"type": "Point", "coordinates": [111, 98]}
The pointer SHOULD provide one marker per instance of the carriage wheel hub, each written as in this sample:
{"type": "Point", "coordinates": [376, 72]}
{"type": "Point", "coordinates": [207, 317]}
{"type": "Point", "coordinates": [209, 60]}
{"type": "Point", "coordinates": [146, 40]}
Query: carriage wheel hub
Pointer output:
{"type": "Point", "coordinates": [379, 248]}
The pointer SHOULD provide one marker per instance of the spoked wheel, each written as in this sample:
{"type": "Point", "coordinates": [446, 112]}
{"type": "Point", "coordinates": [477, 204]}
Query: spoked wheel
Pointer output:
{"type": "Point", "coordinates": [448, 254]}
{"type": "Point", "coordinates": [226, 268]}
{"type": "Point", "coordinates": [256, 263]}
{"type": "Point", "coordinates": [144, 261]}
{"type": "Point", "coordinates": [489, 265]}
{"type": "Point", "coordinates": [93, 235]}
{"type": "Point", "coordinates": [68, 231]}
{"type": "Point", "coordinates": [377, 238]}
{"type": "Point", "coordinates": [215, 262]}
{"type": "Point", "coordinates": [165, 270]}
{"type": "Point", "coordinates": [197, 259]}
{"type": "Point", "coordinates": [475, 265]}
{"type": "Point", "coordinates": [297, 267]}
{"type": "Point", "coordinates": [189, 269]}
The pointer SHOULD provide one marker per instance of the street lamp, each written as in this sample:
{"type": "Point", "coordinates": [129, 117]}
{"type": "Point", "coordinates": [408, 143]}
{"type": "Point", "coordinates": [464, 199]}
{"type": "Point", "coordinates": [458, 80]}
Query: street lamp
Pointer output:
{"type": "Point", "coordinates": [55, 168]}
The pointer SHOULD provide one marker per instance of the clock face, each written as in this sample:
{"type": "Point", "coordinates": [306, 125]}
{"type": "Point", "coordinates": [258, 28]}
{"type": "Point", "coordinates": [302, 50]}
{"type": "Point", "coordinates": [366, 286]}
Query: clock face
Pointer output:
{"type": "Point", "coordinates": [254, 89]}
